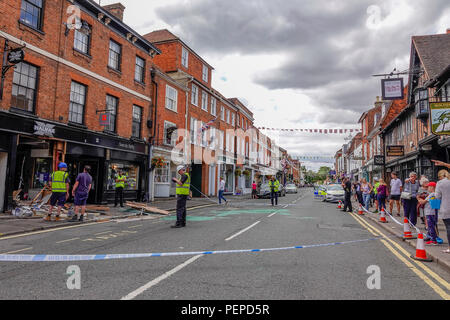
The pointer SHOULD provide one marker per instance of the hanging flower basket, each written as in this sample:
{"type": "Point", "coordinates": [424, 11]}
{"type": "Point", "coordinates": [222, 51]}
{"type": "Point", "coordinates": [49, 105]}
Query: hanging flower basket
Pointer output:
{"type": "Point", "coordinates": [158, 162]}
{"type": "Point", "coordinates": [247, 173]}
{"type": "Point", "coordinates": [238, 172]}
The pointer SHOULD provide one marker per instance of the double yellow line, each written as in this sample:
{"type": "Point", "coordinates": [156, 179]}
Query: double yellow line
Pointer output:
{"type": "Point", "coordinates": [400, 253]}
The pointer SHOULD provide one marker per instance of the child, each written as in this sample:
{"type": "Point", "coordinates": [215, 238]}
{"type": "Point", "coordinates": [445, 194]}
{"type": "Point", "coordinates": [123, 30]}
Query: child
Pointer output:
{"type": "Point", "coordinates": [431, 214]}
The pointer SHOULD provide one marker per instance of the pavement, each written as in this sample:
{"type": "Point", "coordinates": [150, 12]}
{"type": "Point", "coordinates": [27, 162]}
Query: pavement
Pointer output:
{"type": "Point", "coordinates": [434, 252]}
{"type": "Point", "coordinates": [11, 225]}
{"type": "Point", "coordinates": [330, 268]}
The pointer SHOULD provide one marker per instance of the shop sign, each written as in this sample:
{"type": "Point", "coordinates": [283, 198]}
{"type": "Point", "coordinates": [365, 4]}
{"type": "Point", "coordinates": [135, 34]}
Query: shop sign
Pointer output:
{"type": "Point", "coordinates": [395, 151]}
{"type": "Point", "coordinates": [378, 160]}
{"type": "Point", "coordinates": [392, 89]}
{"type": "Point", "coordinates": [126, 146]}
{"type": "Point", "coordinates": [440, 118]}
{"type": "Point", "coordinates": [16, 56]}
{"type": "Point", "coordinates": [44, 129]}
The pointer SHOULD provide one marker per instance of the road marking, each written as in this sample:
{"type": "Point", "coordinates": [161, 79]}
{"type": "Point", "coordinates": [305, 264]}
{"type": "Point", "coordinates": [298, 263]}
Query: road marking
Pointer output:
{"type": "Point", "coordinates": [419, 263]}
{"type": "Point", "coordinates": [419, 273]}
{"type": "Point", "coordinates": [92, 240]}
{"type": "Point", "coordinates": [103, 232]}
{"type": "Point", "coordinates": [154, 282]}
{"type": "Point", "coordinates": [242, 231]}
{"type": "Point", "coordinates": [17, 250]}
{"type": "Point", "coordinates": [67, 240]}
{"type": "Point", "coordinates": [139, 225]}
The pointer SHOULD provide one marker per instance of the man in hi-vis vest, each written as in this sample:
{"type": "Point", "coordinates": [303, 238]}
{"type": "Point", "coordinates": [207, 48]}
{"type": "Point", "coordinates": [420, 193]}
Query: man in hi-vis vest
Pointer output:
{"type": "Point", "coordinates": [59, 183]}
{"type": "Point", "coordinates": [274, 186]}
{"type": "Point", "coordinates": [120, 185]}
{"type": "Point", "coordinates": [183, 187]}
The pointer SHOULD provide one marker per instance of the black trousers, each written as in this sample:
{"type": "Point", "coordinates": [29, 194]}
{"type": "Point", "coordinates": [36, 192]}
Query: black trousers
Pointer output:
{"type": "Point", "coordinates": [119, 194]}
{"type": "Point", "coordinates": [274, 195]}
{"type": "Point", "coordinates": [348, 202]}
{"type": "Point", "coordinates": [181, 209]}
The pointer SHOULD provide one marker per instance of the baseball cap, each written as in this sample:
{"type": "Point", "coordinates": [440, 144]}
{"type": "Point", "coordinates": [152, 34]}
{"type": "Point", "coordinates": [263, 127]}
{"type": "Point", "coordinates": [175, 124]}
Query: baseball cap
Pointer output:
{"type": "Point", "coordinates": [431, 184]}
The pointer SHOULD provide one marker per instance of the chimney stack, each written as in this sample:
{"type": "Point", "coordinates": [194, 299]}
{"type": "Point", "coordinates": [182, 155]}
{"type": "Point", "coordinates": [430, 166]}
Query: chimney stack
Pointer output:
{"type": "Point", "coordinates": [448, 30]}
{"type": "Point", "coordinates": [115, 9]}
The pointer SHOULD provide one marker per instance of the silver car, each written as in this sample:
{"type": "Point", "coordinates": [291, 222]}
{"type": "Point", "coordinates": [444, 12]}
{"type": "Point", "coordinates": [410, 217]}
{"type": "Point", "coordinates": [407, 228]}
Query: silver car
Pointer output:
{"type": "Point", "coordinates": [291, 188]}
{"type": "Point", "coordinates": [334, 193]}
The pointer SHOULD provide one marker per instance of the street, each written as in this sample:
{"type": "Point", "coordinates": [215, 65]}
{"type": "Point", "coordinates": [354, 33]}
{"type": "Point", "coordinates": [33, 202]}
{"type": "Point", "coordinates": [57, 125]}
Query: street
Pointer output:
{"type": "Point", "coordinates": [337, 271]}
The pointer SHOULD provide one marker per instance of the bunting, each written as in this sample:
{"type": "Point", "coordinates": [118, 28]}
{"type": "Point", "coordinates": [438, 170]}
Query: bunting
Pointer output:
{"type": "Point", "coordinates": [320, 131]}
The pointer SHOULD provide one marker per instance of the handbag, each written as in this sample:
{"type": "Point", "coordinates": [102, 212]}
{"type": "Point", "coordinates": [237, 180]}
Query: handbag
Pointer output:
{"type": "Point", "coordinates": [406, 195]}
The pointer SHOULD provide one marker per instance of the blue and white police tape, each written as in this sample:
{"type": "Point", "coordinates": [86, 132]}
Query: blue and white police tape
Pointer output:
{"type": "Point", "coordinates": [98, 257]}
{"type": "Point", "coordinates": [395, 220]}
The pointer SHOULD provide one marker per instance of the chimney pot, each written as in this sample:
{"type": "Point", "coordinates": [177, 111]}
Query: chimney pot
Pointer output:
{"type": "Point", "coordinates": [115, 9]}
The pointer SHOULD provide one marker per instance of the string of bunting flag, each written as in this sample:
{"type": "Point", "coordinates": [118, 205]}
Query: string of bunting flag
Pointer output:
{"type": "Point", "coordinates": [322, 131]}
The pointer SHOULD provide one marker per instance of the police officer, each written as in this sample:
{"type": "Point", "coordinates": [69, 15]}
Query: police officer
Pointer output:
{"type": "Point", "coordinates": [347, 185]}
{"type": "Point", "coordinates": [183, 187]}
{"type": "Point", "coordinates": [274, 186]}
{"type": "Point", "coordinates": [59, 184]}
{"type": "Point", "coordinates": [120, 185]}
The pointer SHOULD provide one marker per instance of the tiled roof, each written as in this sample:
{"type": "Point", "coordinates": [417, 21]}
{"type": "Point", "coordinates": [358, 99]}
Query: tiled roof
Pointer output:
{"type": "Point", "coordinates": [434, 52]}
{"type": "Point", "coordinates": [160, 35]}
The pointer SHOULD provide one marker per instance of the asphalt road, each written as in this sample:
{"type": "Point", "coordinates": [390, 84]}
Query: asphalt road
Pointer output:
{"type": "Point", "coordinates": [327, 272]}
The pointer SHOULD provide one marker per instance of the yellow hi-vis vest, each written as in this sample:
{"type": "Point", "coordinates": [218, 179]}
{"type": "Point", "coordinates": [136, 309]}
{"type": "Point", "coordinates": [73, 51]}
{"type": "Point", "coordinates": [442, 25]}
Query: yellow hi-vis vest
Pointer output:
{"type": "Point", "coordinates": [121, 183]}
{"type": "Point", "coordinates": [276, 184]}
{"type": "Point", "coordinates": [59, 181]}
{"type": "Point", "coordinates": [184, 189]}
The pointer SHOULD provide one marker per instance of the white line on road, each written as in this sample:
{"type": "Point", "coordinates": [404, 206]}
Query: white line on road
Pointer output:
{"type": "Point", "coordinates": [68, 240]}
{"type": "Point", "coordinates": [154, 282]}
{"type": "Point", "coordinates": [242, 231]}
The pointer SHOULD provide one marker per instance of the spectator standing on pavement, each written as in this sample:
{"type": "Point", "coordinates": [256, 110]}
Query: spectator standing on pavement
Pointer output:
{"type": "Point", "coordinates": [254, 186]}
{"type": "Point", "coordinates": [59, 183]}
{"type": "Point", "coordinates": [183, 188]}
{"type": "Point", "coordinates": [430, 213]}
{"type": "Point", "coordinates": [375, 193]}
{"type": "Point", "coordinates": [443, 194]}
{"type": "Point", "coordinates": [347, 185]}
{"type": "Point", "coordinates": [396, 191]}
{"type": "Point", "coordinates": [382, 193]}
{"type": "Point", "coordinates": [409, 196]}
{"type": "Point", "coordinates": [221, 191]}
{"type": "Point", "coordinates": [120, 185]}
{"type": "Point", "coordinates": [366, 188]}
{"type": "Point", "coordinates": [80, 192]}
{"type": "Point", "coordinates": [358, 192]}
{"type": "Point", "coordinates": [422, 194]}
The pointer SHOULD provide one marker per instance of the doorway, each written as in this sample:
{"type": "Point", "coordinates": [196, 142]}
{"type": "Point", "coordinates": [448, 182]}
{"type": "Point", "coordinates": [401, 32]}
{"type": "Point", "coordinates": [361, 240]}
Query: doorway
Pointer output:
{"type": "Point", "coordinates": [3, 165]}
{"type": "Point", "coordinates": [75, 166]}
{"type": "Point", "coordinates": [196, 180]}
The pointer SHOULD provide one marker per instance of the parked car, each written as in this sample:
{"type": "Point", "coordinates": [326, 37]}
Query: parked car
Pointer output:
{"type": "Point", "coordinates": [264, 191]}
{"type": "Point", "coordinates": [291, 188]}
{"type": "Point", "coordinates": [334, 193]}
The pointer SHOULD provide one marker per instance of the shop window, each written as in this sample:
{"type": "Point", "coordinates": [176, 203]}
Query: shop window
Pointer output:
{"type": "Point", "coordinates": [42, 170]}
{"type": "Point", "coordinates": [162, 175]}
{"type": "Point", "coordinates": [24, 87]}
{"type": "Point", "coordinates": [130, 171]}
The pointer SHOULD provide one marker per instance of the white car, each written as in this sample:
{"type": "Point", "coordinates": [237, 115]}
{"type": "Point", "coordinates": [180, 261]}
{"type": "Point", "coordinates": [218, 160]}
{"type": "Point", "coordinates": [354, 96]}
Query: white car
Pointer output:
{"type": "Point", "coordinates": [334, 193]}
{"type": "Point", "coordinates": [291, 188]}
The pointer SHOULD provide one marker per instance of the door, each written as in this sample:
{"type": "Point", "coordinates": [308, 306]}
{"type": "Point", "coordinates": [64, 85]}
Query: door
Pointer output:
{"type": "Point", "coordinates": [196, 180]}
{"type": "Point", "coordinates": [75, 167]}
{"type": "Point", "coordinates": [3, 164]}
{"type": "Point", "coordinates": [212, 181]}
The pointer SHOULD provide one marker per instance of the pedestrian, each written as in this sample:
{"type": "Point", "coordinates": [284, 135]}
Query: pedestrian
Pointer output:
{"type": "Point", "coordinates": [182, 191]}
{"type": "Point", "coordinates": [396, 191]}
{"type": "Point", "coordinates": [274, 186]}
{"type": "Point", "coordinates": [358, 193]}
{"type": "Point", "coordinates": [410, 199]}
{"type": "Point", "coordinates": [366, 188]}
{"type": "Point", "coordinates": [430, 213]}
{"type": "Point", "coordinates": [222, 190]}
{"type": "Point", "coordinates": [382, 193]}
{"type": "Point", "coordinates": [59, 183]}
{"type": "Point", "coordinates": [120, 185]}
{"type": "Point", "coordinates": [374, 194]}
{"type": "Point", "coordinates": [348, 195]}
{"type": "Point", "coordinates": [254, 187]}
{"type": "Point", "coordinates": [443, 194]}
{"type": "Point", "coordinates": [422, 194]}
{"type": "Point", "coordinates": [80, 192]}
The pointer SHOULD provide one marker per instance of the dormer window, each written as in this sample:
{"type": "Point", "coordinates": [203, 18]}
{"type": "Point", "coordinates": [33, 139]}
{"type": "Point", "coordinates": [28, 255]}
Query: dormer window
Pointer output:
{"type": "Point", "coordinates": [205, 73]}
{"type": "Point", "coordinates": [421, 102]}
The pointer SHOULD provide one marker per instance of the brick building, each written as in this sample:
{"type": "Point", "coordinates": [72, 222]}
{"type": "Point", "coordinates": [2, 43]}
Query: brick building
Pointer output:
{"type": "Point", "coordinates": [52, 100]}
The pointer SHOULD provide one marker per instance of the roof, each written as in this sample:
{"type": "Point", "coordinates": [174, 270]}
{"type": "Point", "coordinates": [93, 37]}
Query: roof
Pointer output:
{"type": "Point", "coordinates": [434, 52]}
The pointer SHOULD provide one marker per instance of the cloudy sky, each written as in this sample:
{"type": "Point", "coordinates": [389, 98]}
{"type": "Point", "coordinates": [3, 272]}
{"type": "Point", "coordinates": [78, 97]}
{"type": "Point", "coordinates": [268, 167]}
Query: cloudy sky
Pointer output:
{"type": "Point", "coordinates": [297, 63]}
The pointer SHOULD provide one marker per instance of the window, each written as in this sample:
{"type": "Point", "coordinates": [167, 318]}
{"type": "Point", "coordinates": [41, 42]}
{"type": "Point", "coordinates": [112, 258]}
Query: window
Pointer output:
{"type": "Point", "coordinates": [222, 113]}
{"type": "Point", "coordinates": [213, 106]}
{"type": "Point", "coordinates": [111, 107]}
{"type": "Point", "coordinates": [212, 138]}
{"type": "Point", "coordinates": [139, 72]}
{"type": "Point", "coordinates": [204, 142]}
{"type": "Point", "coordinates": [171, 98]}
{"type": "Point", "coordinates": [169, 136]}
{"type": "Point", "coordinates": [129, 170]}
{"type": "Point", "coordinates": [137, 120]}
{"type": "Point", "coordinates": [233, 119]}
{"type": "Point", "coordinates": [24, 87]}
{"type": "Point", "coordinates": [194, 131]}
{"type": "Point", "coordinates": [162, 174]}
{"type": "Point", "coordinates": [242, 122]}
{"type": "Point", "coordinates": [184, 57]}
{"type": "Point", "coordinates": [115, 53]}
{"type": "Point", "coordinates": [194, 95]}
{"type": "Point", "coordinates": [409, 125]}
{"type": "Point", "coordinates": [204, 101]}
{"type": "Point", "coordinates": [228, 116]}
{"type": "Point", "coordinates": [82, 42]}
{"type": "Point", "coordinates": [205, 73]}
{"type": "Point", "coordinates": [220, 139]}
{"type": "Point", "coordinates": [31, 13]}
{"type": "Point", "coordinates": [77, 102]}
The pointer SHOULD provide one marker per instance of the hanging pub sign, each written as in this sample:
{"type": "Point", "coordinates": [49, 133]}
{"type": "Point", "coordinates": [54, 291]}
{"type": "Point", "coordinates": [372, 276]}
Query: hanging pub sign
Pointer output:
{"type": "Point", "coordinates": [378, 160]}
{"type": "Point", "coordinates": [392, 89]}
{"type": "Point", "coordinates": [104, 119]}
{"type": "Point", "coordinates": [395, 151]}
{"type": "Point", "coordinates": [440, 118]}
{"type": "Point", "coordinates": [16, 56]}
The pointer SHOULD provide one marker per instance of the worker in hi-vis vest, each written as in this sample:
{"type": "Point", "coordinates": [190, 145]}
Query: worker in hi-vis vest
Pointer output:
{"type": "Point", "coordinates": [183, 187]}
{"type": "Point", "coordinates": [59, 183]}
{"type": "Point", "coordinates": [120, 185]}
{"type": "Point", "coordinates": [274, 186]}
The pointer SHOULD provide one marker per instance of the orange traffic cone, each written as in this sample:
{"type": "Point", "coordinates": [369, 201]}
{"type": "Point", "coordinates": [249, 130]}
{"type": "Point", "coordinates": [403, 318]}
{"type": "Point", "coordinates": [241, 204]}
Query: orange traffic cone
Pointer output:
{"type": "Point", "coordinates": [421, 254]}
{"type": "Point", "coordinates": [406, 230]}
{"type": "Point", "coordinates": [360, 210]}
{"type": "Point", "coordinates": [339, 206]}
{"type": "Point", "coordinates": [383, 217]}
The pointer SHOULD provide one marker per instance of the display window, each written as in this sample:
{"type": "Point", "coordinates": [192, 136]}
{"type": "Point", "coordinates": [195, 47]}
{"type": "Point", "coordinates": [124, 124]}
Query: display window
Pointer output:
{"type": "Point", "coordinates": [162, 175]}
{"type": "Point", "coordinates": [42, 171]}
{"type": "Point", "coordinates": [131, 172]}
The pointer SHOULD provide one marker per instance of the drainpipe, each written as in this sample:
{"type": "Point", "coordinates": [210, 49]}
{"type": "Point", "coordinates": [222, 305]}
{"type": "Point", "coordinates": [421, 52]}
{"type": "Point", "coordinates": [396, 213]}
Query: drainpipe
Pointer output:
{"type": "Point", "coordinates": [190, 79]}
{"type": "Point", "coordinates": [150, 193]}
